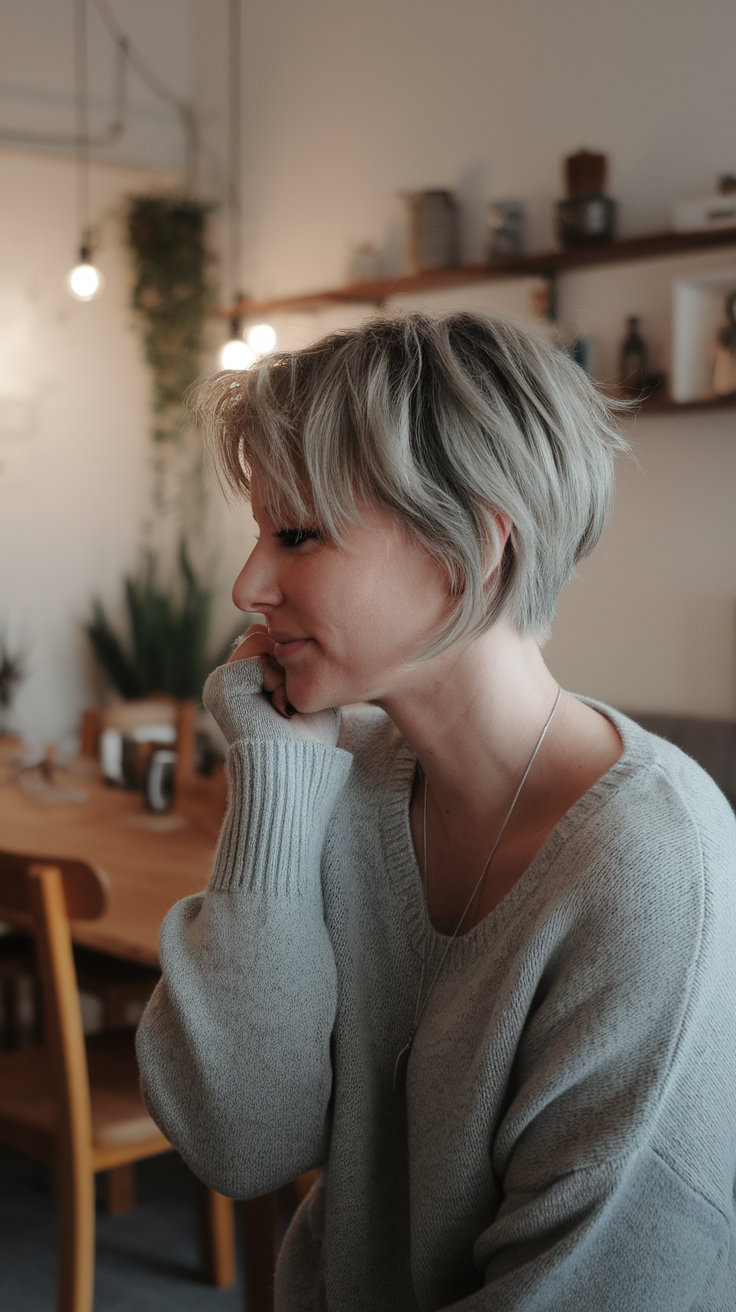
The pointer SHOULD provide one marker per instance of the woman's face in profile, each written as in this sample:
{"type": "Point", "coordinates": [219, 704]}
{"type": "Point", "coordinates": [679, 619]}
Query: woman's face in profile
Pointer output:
{"type": "Point", "coordinates": [347, 620]}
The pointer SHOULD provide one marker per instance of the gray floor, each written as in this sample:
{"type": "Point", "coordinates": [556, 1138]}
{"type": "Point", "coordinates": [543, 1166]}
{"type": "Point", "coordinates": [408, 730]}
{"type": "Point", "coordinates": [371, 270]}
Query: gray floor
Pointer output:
{"type": "Point", "coordinates": [146, 1260]}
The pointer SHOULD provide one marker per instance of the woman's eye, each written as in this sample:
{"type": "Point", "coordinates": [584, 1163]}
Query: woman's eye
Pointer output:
{"type": "Point", "coordinates": [293, 537]}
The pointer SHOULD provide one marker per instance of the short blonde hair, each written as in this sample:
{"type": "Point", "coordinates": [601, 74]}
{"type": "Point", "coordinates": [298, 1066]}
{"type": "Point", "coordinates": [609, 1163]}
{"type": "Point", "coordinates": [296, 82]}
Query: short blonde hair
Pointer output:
{"type": "Point", "coordinates": [443, 421]}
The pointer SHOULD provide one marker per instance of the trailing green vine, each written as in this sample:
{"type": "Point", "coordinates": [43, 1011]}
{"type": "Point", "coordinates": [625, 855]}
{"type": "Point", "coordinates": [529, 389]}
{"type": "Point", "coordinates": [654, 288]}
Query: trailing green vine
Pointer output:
{"type": "Point", "coordinates": [167, 236]}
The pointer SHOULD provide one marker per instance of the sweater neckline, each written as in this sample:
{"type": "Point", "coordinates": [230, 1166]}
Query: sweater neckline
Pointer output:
{"type": "Point", "coordinates": [403, 867]}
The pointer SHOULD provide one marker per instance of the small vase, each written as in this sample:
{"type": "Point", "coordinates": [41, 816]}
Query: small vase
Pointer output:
{"type": "Point", "coordinates": [434, 231]}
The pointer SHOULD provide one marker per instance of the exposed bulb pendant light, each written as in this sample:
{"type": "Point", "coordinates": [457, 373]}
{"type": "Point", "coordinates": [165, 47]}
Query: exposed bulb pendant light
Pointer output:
{"type": "Point", "coordinates": [262, 338]}
{"type": "Point", "coordinates": [236, 353]}
{"type": "Point", "coordinates": [84, 281]}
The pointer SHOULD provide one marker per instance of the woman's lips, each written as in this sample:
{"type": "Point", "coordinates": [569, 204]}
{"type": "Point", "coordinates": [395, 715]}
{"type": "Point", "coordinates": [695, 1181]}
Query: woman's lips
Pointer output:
{"type": "Point", "coordinates": [285, 647]}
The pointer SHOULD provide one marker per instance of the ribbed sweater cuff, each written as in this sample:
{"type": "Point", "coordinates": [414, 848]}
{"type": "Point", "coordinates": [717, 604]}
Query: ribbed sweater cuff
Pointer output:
{"type": "Point", "coordinates": [282, 794]}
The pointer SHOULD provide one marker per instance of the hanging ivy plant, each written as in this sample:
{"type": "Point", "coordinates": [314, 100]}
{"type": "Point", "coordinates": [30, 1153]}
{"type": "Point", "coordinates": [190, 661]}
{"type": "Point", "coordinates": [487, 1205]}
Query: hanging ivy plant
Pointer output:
{"type": "Point", "coordinates": [167, 236]}
{"type": "Point", "coordinates": [171, 294]}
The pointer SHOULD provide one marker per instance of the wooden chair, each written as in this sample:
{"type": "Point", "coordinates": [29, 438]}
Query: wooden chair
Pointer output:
{"type": "Point", "coordinates": [260, 1224]}
{"type": "Point", "coordinates": [117, 983]}
{"type": "Point", "coordinates": [17, 962]}
{"type": "Point", "coordinates": [78, 1107]}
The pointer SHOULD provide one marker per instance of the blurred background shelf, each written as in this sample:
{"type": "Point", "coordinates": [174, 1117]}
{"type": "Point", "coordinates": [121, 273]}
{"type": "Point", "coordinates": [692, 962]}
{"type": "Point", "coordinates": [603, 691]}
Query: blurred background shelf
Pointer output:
{"type": "Point", "coordinates": [666, 406]}
{"type": "Point", "coordinates": [547, 264]}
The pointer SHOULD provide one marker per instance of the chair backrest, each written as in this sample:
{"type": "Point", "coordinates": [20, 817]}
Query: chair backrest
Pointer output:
{"type": "Point", "coordinates": [86, 889]}
{"type": "Point", "coordinates": [43, 894]}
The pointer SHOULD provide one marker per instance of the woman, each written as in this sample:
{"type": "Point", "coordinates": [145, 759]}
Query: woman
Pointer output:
{"type": "Point", "coordinates": [468, 949]}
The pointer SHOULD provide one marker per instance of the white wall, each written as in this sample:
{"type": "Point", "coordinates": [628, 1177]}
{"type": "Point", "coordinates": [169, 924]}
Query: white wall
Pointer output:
{"type": "Point", "coordinates": [74, 388]}
{"type": "Point", "coordinates": [73, 430]}
{"type": "Point", "coordinates": [37, 76]}
{"type": "Point", "coordinates": [346, 105]}
{"type": "Point", "coordinates": [74, 416]}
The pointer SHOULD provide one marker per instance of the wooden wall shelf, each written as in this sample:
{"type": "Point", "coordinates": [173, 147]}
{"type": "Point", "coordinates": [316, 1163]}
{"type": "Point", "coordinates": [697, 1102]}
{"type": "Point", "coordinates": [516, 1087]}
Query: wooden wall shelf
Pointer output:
{"type": "Point", "coordinates": [545, 265]}
{"type": "Point", "coordinates": [666, 406]}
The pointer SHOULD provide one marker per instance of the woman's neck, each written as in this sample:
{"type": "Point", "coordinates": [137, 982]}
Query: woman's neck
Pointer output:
{"type": "Point", "coordinates": [473, 716]}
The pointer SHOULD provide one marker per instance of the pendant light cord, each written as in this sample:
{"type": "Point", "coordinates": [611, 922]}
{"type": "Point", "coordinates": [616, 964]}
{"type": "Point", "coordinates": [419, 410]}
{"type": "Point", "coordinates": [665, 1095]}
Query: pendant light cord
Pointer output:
{"type": "Point", "coordinates": [81, 108]}
{"type": "Point", "coordinates": [234, 150]}
{"type": "Point", "coordinates": [136, 60]}
{"type": "Point", "coordinates": [127, 56]}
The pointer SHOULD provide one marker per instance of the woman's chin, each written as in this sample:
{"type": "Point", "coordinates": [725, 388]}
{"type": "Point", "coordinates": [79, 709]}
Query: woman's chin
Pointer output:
{"type": "Point", "coordinates": [308, 699]}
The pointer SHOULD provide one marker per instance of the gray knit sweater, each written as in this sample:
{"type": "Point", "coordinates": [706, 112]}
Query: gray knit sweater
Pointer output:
{"type": "Point", "coordinates": [566, 1140]}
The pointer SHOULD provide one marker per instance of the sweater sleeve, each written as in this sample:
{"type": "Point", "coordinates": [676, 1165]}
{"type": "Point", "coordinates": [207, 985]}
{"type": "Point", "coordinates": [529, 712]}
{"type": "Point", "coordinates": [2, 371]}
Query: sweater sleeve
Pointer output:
{"type": "Point", "coordinates": [234, 1046]}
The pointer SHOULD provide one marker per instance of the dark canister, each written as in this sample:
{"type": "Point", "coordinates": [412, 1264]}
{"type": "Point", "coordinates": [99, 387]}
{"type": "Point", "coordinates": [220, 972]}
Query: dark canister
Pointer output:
{"type": "Point", "coordinates": [584, 219]}
{"type": "Point", "coordinates": [586, 215]}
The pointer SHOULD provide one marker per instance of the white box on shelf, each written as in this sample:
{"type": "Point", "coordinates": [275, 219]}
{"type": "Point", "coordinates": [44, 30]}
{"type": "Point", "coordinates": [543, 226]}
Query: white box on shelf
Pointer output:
{"type": "Point", "coordinates": [697, 314]}
{"type": "Point", "coordinates": [704, 212]}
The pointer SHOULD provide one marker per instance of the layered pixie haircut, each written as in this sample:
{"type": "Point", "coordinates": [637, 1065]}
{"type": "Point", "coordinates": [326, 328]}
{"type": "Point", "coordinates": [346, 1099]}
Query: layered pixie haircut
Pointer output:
{"type": "Point", "coordinates": [442, 421]}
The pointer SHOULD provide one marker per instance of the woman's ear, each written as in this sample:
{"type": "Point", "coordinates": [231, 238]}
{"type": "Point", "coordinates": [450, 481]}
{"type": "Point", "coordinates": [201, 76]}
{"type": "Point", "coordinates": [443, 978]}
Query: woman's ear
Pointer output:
{"type": "Point", "coordinates": [502, 525]}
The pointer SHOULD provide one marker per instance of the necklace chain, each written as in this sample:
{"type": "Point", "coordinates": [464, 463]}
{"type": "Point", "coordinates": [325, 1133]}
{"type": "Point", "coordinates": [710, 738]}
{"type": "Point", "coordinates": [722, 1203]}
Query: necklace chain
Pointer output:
{"type": "Point", "coordinates": [421, 1002]}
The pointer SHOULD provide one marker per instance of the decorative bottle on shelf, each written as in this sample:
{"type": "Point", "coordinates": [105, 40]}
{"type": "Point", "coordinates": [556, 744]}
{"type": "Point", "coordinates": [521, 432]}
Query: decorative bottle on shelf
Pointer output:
{"type": "Point", "coordinates": [633, 371]}
{"type": "Point", "coordinates": [724, 367]}
{"type": "Point", "coordinates": [505, 230]}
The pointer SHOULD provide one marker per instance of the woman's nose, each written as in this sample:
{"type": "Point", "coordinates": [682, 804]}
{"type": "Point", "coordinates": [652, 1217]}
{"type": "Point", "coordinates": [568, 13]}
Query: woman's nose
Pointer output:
{"type": "Point", "coordinates": [256, 588]}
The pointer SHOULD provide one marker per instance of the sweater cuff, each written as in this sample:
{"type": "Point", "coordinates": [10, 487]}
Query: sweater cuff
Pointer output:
{"type": "Point", "coordinates": [233, 693]}
{"type": "Point", "coordinates": [282, 796]}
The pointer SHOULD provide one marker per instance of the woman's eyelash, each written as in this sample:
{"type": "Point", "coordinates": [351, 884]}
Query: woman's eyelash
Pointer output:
{"type": "Point", "coordinates": [293, 537]}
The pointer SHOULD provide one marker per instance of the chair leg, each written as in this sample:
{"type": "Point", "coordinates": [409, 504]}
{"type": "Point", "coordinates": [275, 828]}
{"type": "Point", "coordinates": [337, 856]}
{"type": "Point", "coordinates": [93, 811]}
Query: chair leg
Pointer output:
{"type": "Point", "coordinates": [76, 1238]}
{"type": "Point", "coordinates": [114, 1012]}
{"type": "Point", "coordinates": [259, 1234]}
{"type": "Point", "coordinates": [304, 1183]}
{"type": "Point", "coordinates": [216, 1225]}
{"type": "Point", "coordinates": [37, 1001]}
{"type": "Point", "coordinates": [10, 1037]}
{"type": "Point", "coordinates": [120, 1189]}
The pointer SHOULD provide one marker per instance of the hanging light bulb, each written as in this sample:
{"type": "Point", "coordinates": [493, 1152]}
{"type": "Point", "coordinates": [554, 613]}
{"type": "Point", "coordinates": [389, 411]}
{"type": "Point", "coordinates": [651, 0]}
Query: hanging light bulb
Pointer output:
{"type": "Point", "coordinates": [85, 281]}
{"type": "Point", "coordinates": [262, 338]}
{"type": "Point", "coordinates": [236, 353]}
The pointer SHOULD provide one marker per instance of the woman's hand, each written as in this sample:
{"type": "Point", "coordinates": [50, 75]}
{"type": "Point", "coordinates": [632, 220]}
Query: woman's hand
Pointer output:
{"type": "Point", "coordinates": [318, 726]}
{"type": "Point", "coordinates": [256, 642]}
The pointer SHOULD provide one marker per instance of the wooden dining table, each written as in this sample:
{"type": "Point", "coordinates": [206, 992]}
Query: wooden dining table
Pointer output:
{"type": "Point", "coordinates": [151, 861]}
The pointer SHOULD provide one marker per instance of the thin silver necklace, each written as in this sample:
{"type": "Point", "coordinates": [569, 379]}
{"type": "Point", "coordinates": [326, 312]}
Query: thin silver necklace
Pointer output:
{"type": "Point", "coordinates": [403, 1057]}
